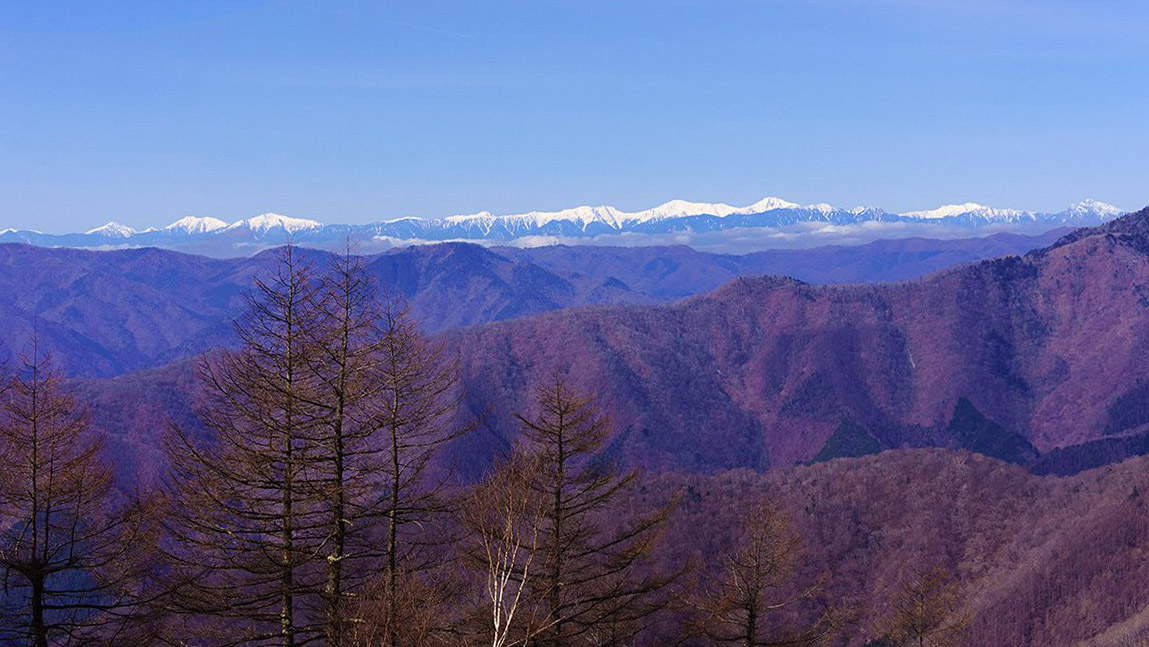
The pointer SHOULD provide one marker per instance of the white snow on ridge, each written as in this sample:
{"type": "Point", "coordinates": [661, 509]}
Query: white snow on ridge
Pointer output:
{"type": "Point", "coordinates": [194, 225]}
{"type": "Point", "coordinates": [684, 209]}
{"type": "Point", "coordinates": [617, 219]}
{"type": "Point", "coordinates": [770, 204]}
{"type": "Point", "coordinates": [969, 208]}
{"type": "Point", "coordinates": [264, 223]}
{"type": "Point", "coordinates": [607, 220]}
{"type": "Point", "coordinates": [1091, 207]}
{"type": "Point", "coordinates": [1077, 210]}
{"type": "Point", "coordinates": [586, 215]}
{"type": "Point", "coordinates": [681, 209]}
{"type": "Point", "coordinates": [112, 229]}
{"type": "Point", "coordinates": [582, 215]}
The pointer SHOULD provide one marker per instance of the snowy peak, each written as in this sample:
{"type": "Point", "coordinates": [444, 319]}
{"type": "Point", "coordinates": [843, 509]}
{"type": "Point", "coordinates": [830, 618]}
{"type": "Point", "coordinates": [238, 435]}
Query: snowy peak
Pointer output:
{"type": "Point", "coordinates": [112, 230]}
{"type": "Point", "coordinates": [585, 216]}
{"type": "Point", "coordinates": [770, 204]}
{"type": "Point", "coordinates": [678, 209]}
{"type": "Point", "coordinates": [482, 215]}
{"type": "Point", "coordinates": [966, 209]}
{"type": "Point", "coordinates": [674, 221]}
{"type": "Point", "coordinates": [682, 209]}
{"type": "Point", "coordinates": [1084, 210]}
{"type": "Point", "coordinates": [267, 222]}
{"type": "Point", "coordinates": [1094, 208]}
{"type": "Point", "coordinates": [685, 209]}
{"type": "Point", "coordinates": [194, 225]}
{"type": "Point", "coordinates": [582, 215]}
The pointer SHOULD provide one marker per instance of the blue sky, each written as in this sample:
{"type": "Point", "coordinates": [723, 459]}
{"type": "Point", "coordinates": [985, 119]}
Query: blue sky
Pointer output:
{"type": "Point", "coordinates": [144, 112]}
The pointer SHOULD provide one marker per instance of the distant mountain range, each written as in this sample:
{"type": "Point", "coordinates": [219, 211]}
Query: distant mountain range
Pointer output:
{"type": "Point", "coordinates": [675, 221]}
{"type": "Point", "coordinates": [110, 312]}
{"type": "Point", "coordinates": [1036, 360]}
{"type": "Point", "coordinates": [865, 412]}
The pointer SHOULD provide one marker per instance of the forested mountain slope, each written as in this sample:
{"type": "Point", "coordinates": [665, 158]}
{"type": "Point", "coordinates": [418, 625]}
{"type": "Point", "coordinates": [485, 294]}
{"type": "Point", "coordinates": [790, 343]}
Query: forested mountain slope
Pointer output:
{"type": "Point", "coordinates": [1010, 357]}
{"type": "Point", "coordinates": [111, 312]}
{"type": "Point", "coordinates": [1055, 562]}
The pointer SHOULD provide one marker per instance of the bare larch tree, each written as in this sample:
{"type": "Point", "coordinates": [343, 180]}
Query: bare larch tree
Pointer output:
{"type": "Point", "coordinates": [350, 459]}
{"type": "Point", "coordinates": [246, 528]}
{"type": "Point", "coordinates": [756, 584]}
{"type": "Point", "coordinates": [315, 479]}
{"type": "Point", "coordinates": [415, 415]}
{"type": "Point", "coordinates": [68, 543]}
{"type": "Point", "coordinates": [593, 573]}
{"type": "Point", "coordinates": [925, 611]}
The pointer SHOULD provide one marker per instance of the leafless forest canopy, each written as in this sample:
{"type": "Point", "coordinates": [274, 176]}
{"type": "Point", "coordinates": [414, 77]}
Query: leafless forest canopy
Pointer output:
{"type": "Point", "coordinates": [340, 477]}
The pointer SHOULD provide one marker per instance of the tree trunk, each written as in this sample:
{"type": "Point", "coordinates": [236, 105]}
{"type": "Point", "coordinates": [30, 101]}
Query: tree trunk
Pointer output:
{"type": "Point", "coordinates": [287, 605]}
{"type": "Point", "coordinates": [335, 563]}
{"type": "Point", "coordinates": [39, 627]}
{"type": "Point", "coordinates": [557, 573]}
{"type": "Point", "coordinates": [393, 530]}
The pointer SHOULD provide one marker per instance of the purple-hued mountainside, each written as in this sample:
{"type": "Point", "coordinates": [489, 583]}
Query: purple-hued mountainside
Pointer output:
{"type": "Point", "coordinates": [108, 313]}
{"type": "Point", "coordinates": [1036, 360]}
{"type": "Point", "coordinates": [1033, 360]}
{"type": "Point", "coordinates": [1055, 562]}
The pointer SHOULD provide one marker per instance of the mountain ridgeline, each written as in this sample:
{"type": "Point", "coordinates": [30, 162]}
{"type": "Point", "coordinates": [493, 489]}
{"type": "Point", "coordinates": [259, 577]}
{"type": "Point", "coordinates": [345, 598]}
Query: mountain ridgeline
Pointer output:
{"type": "Point", "coordinates": [1033, 360]}
{"type": "Point", "coordinates": [1043, 561]}
{"type": "Point", "coordinates": [1037, 360]}
{"type": "Point", "coordinates": [107, 313]}
{"type": "Point", "coordinates": [760, 413]}
{"type": "Point", "coordinates": [715, 225]}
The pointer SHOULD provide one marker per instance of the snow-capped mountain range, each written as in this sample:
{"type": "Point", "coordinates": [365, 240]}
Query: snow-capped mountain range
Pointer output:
{"type": "Point", "coordinates": [585, 224]}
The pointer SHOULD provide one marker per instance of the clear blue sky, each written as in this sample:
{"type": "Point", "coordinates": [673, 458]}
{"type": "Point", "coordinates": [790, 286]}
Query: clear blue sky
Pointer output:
{"type": "Point", "coordinates": [144, 111]}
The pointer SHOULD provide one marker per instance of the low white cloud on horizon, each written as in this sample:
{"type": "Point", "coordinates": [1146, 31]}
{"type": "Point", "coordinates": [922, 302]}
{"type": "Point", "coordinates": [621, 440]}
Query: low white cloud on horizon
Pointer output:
{"type": "Point", "coordinates": [751, 239]}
